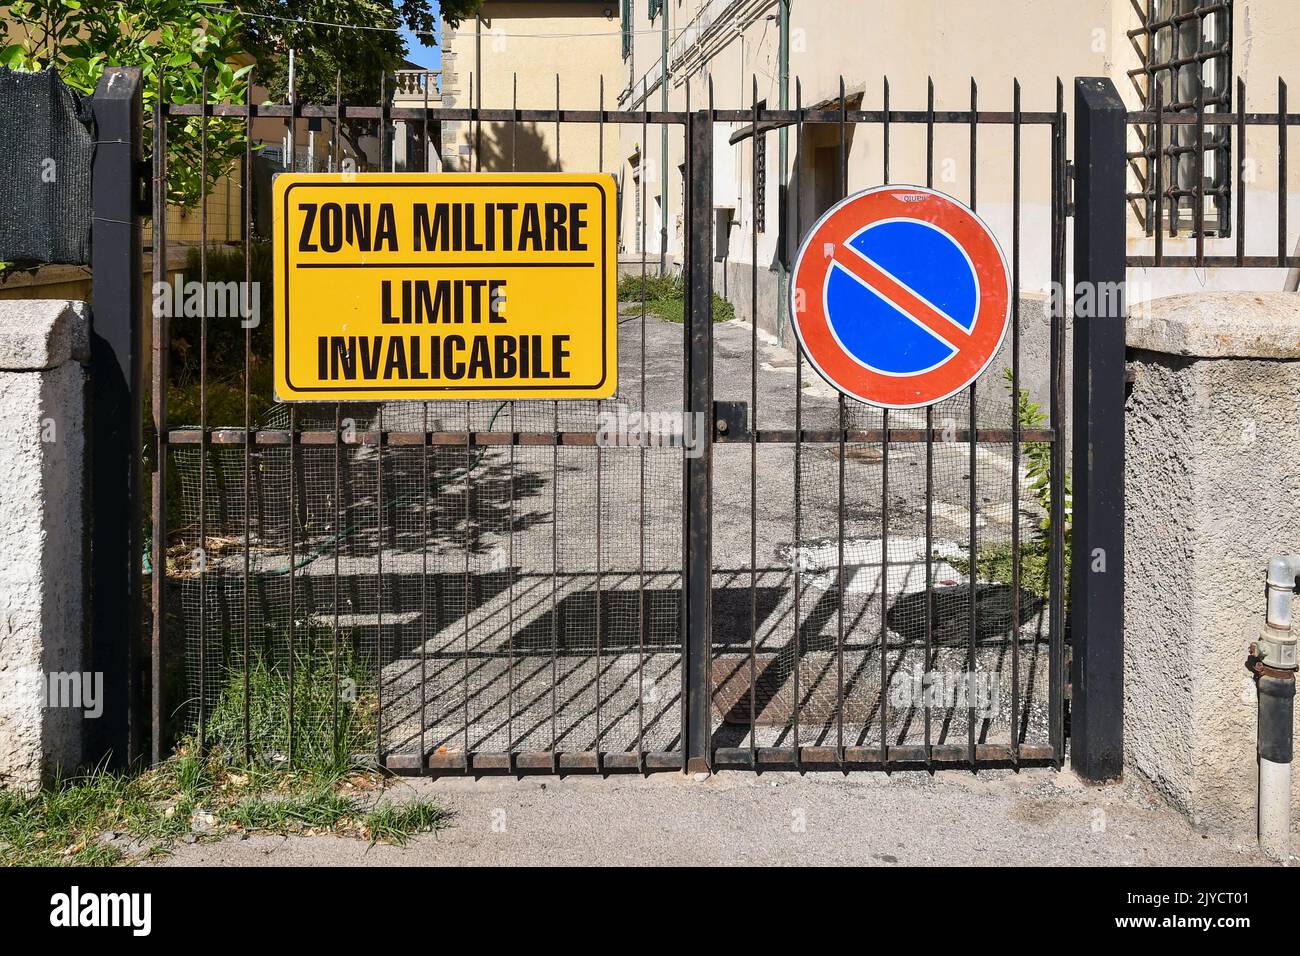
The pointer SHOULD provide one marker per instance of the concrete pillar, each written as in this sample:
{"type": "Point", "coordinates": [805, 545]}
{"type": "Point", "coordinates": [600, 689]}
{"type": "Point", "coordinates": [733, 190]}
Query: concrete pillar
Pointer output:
{"type": "Point", "coordinates": [44, 694]}
{"type": "Point", "coordinates": [1212, 486]}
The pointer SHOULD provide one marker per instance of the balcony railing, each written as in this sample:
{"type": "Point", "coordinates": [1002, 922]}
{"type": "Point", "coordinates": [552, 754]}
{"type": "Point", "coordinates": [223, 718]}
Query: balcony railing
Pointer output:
{"type": "Point", "coordinates": [414, 85]}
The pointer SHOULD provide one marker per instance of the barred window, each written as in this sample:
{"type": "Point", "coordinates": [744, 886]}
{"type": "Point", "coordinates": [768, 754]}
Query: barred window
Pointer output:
{"type": "Point", "coordinates": [1188, 65]}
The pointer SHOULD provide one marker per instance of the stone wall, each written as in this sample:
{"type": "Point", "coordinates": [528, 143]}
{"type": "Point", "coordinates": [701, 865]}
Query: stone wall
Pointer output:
{"type": "Point", "coordinates": [43, 344]}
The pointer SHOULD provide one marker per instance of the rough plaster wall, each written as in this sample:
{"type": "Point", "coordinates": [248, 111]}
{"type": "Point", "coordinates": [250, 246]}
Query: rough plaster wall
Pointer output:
{"type": "Point", "coordinates": [41, 614]}
{"type": "Point", "coordinates": [1211, 489]}
{"type": "Point", "coordinates": [1247, 490]}
{"type": "Point", "coordinates": [1158, 546]}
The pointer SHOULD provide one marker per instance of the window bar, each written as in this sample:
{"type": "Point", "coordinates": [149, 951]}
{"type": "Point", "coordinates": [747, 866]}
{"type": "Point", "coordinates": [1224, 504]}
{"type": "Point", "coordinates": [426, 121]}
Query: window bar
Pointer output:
{"type": "Point", "coordinates": [1015, 423]}
{"type": "Point", "coordinates": [161, 377]}
{"type": "Point", "coordinates": [798, 449]}
{"type": "Point", "coordinates": [1223, 159]}
{"type": "Point", "coordinates": [929, 459]}
{"type": "Point", "coordinates": [1198, 164]}
{"type": "Point", "coordinates": [1159, 174]}
{"type": "Point", "coordinates": [1241, 172]}
{"type": "Point", "coordinates": [839, 537]}
{"type": "Point", "coordinates": [884, 505]}
{"type": "Point", "coordinates": [1281, 172]}
{"type": "Point", "coordinates": [600, 487]}
{"type": "Point", "coordinates": [248, 419]}
{"type": "Point", "coordinates": [203, 417]}
{"type": "Point", "coordinates": [755, 146]}
{"type": "Point", "coordinates": [1175, 135]}
{"type": "Point", "coordinates": [974, 462]}
{"type": "Point", "coordinates": [338, 461]}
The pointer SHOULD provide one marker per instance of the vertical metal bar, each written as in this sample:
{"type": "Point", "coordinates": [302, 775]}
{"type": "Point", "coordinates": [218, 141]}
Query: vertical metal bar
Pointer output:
{"type": "Point", "coordinates": [1097, 579]}
{"type": "Point", "coordinates": [1199, 167]}
{"type": "Point", "coordinates": [1056, 570]}
{"type": "Point", "coordinates": [883, 706]}
{"type": "Point", "coordinates": [1015, 422]}
{"type": "Point", "coordinates": [161, 380]}
{"type": "Point", "coordinates": [510, 533]}
{"type": "Point", "coordinates": [697, 504]}
{"type": "Point", "coordinates": [292, 122]}
{"type": "Point", "coordinates": [755, 145]}
{"type": "Point", "coordinates": [379, 576]}
{"type": "Point", "coordinates": [425, 495]}
{"type": "Point", "coordinates": [839, 532]}
{"type": "Point", "coordinates": [293, 560]}
{"type": "Point", "coordinates": [929, 460]}
{"type": "Point", "coordinates": [385, 165]}
{"type": "Point", "coordinates": [973, 467]}
{"type": "Point", "coordinates": [338, 469]}
{"type": "Point", "coordinates": [1240, 163]}
{"type": "Point", "coordinates": [1281, 172]}
{"type": "Point", "coordinates": [203, 417]}
{"type": "Point", "coordinates": [555, 521]}
{"type": "Point", "coordinates": [798, 445]}
{"type": "Point", "coordinates": [464, 655]}
{"type": "Point", "coordinates": [640, 664]}
{"type": "Point", "coordinates": [248, 405]}
{"type": "Point", "coordinates": [1178, 133]}
{"type": "Point", "coordinates": [1157, 217]}
{"type": "Point", "coordinates": [600, 487]}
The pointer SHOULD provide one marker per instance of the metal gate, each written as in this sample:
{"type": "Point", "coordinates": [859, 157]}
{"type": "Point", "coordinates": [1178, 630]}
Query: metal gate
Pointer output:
{"type": "Point", "coordinates": [479, 586]}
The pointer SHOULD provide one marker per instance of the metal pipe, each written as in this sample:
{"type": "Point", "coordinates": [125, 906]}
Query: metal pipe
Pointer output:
{"type": "Point", "coordinates": [1273, 662]}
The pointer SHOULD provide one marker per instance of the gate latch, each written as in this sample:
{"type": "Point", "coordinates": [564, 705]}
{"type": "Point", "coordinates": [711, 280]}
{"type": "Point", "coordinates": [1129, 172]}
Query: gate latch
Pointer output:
{"type": "Point", "coordinates": [731, 421]}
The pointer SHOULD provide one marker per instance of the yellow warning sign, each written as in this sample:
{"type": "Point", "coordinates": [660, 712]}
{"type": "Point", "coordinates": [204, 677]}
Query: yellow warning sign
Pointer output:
{"type": "Point", "coordinates": [474, 285]}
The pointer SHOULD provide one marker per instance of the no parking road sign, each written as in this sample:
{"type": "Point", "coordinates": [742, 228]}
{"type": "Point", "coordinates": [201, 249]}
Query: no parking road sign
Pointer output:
{"type": "Point", "coordinates": [900, 296]}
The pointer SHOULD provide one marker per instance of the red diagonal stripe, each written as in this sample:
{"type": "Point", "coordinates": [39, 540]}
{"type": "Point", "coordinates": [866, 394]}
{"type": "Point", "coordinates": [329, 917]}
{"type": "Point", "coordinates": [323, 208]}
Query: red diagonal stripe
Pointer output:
{"type": "Point", "coordinates": [897, 295]}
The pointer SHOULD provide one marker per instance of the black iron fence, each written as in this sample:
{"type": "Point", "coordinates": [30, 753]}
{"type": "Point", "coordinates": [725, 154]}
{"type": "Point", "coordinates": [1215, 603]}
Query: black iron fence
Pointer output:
{"type": "Point", "coordinates": [478, 585]}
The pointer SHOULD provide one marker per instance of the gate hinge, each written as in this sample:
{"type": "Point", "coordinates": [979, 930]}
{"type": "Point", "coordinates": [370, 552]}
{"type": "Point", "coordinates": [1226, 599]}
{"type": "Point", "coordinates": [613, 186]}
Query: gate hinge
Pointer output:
{"type": "Point", "coordinates": [730, 421]}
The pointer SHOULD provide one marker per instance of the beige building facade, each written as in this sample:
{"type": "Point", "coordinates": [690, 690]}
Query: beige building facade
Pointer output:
{"type": "Point", "coordinates": [668, 54]}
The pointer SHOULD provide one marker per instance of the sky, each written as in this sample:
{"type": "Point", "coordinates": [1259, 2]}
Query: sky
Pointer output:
{"type": "Point", "coordinates": [421, 49]}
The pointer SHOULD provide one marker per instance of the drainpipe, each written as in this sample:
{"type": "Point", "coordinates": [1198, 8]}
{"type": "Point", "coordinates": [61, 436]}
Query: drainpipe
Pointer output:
{"type": "Point", "coordinates": [1273, 662]}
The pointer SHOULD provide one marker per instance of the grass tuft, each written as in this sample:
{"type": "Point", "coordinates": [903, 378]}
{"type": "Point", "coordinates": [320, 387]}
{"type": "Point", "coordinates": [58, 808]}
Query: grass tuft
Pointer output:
{"type": "Point", "coordinates": [103, 819]}
{"type": "Point", "coordinates": [398, 822]}
{"type": "Point", "coordinates": [665, 296]}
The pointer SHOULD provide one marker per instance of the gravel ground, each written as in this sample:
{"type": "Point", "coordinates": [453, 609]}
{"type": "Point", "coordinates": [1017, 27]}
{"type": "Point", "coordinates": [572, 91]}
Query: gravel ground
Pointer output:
{"type": "Point", "coordinates": [952, 818]}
